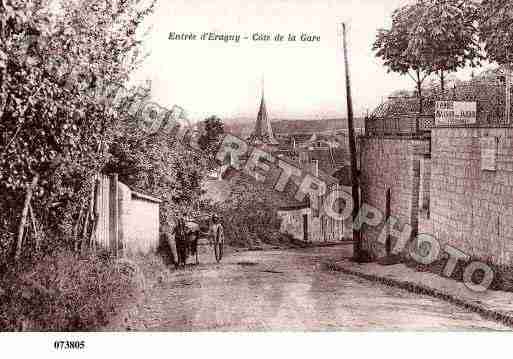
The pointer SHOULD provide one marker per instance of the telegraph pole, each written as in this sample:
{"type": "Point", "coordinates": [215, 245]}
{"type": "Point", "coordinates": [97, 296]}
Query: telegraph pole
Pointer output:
{"type": "Point", "coordinates": [357, 245]}
{"type": "Point", "coordinates": [508, 75]}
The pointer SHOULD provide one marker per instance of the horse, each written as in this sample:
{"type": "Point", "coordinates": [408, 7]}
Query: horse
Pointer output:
{"type": "Point", "coordinates": [186, 238]}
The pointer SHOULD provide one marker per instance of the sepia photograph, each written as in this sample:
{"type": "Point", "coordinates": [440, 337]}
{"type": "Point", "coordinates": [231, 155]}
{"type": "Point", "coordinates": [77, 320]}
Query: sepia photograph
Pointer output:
{"type": "Point", "coordinates": [218, 172]}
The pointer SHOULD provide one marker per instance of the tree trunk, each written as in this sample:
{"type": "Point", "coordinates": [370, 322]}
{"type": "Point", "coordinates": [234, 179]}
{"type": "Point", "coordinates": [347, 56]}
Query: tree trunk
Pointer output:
{"type": "Point", "coordinates": [37, 237]}
{"type": "Point", "coordinates": [23, 221]}
{"type": "Point", "coordinates": [419, 91]}
{"type": "Point", "coordinates": [419, 94]}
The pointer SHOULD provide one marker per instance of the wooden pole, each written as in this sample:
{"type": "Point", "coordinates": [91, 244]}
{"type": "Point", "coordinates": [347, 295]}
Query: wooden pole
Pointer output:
{"type": "Point", "coordinates": [388, 241]}
{"type": "Point", "coordinates": [357, 245]}
{"type": "Point", "coordinates": [76, 229]}
{"type": "Point", "coordinates": [508, 94]}
{"type": "Point", "coordinates": [95, 206]}
{"type": "Point", "coordinates": [83, 236]}
{"type": "Point", "coordinates": [23, 221]}
{"type": "Point", "coordinates": [114, 214]}
{"type": "Point", "coordinates": [89, 221]}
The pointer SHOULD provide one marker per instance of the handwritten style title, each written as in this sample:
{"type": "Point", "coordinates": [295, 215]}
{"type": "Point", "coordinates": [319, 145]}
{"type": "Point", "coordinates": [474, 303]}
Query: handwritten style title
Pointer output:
{"type": "Point", "coordinates": [237, 37]}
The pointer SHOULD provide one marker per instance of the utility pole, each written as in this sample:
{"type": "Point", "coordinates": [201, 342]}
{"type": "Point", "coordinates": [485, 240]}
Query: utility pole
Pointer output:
{"type": "Point", "coordinates": [357, 245]}
{"type": "Point", "coordinates": [508, 75]}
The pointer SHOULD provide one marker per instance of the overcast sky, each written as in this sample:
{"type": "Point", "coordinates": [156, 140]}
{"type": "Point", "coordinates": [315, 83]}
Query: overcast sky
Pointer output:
{"type": "Point", "coordinates": [302, 80]}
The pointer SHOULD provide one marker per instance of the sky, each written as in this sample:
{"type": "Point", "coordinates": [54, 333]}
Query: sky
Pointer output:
{"type": "Point", "coordinates": [303, 80]}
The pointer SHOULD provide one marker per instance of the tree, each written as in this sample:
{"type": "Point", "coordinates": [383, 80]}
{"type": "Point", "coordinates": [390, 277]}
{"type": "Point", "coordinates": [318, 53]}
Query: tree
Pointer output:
{"type": "Point", "coordinates": [160, 165]}
{"type": "Point", "coordinates": [211, 130]}
{"type": "Point", "coordinates": [496, 30]}
{"type": "Point", "coordinates": [445, 37]}
{"type": "Point", "coordinates": [392, 45]}
{"type": "Point", "coordinates": [430, 36]}
{"type": "Point", "coordinates": [54, 117]}
{"type": "Point", "coordinates": [250, 212]}
{"type": "Point", "coordinates": [432, 87]}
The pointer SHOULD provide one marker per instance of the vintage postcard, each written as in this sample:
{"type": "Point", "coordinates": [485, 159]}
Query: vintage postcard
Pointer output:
{"type": "Point", "coordinates": [280, 166]}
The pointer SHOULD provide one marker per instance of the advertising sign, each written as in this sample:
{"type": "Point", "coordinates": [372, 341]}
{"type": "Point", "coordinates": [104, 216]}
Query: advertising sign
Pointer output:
{"type": "Point", "coordinates": [455, 113]}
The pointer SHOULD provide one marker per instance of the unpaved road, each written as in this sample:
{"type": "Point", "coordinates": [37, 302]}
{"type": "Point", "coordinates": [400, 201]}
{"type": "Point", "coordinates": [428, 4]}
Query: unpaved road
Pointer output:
{"type": "Point", "coordinates": [288, 290]}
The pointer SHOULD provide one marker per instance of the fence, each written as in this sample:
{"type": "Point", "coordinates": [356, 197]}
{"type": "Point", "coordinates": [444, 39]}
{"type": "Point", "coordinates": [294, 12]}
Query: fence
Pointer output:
{"type": "Point", "coordinates": [400, 116]}
{"type": "Point", "coordinates": [401, 125]}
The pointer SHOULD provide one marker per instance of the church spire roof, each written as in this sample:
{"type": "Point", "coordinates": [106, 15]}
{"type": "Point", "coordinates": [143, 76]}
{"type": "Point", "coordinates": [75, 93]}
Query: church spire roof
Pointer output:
{"type": "Point", "coordinates": [263, 130]}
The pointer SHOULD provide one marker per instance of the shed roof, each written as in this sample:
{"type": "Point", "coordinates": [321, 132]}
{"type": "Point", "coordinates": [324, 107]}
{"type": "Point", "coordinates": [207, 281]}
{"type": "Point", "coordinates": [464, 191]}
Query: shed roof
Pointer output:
{"type": "Point", "coordinates": [146, 197]}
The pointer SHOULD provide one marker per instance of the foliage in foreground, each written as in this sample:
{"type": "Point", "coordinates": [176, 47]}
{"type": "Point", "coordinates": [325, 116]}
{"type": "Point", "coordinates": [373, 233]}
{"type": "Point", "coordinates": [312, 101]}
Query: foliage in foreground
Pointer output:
{"type": "Point", "coordinates": [63, 120]}
{"type": "Point", "coordinates": [55, 115]}
{"type": "Point", "coordinates": [64, 292]}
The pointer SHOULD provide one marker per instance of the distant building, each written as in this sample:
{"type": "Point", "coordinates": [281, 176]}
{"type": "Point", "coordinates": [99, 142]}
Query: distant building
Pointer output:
{"type": "Point", "coordinates": [317, 153]}
{"type": "Point", "coordinates": [263, 136]}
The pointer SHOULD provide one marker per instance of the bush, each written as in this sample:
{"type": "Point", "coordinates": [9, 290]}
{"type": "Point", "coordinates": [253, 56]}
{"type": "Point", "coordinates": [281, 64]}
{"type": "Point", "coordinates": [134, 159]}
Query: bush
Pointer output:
{"type": "Point", "coordinates": [250, 214]}
{"type": "Point", "coordinates": [64, 292]}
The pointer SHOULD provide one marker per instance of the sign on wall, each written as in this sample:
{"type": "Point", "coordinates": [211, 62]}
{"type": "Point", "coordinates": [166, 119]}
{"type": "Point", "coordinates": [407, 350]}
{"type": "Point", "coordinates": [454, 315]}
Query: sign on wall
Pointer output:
{"type": "Point", "coordinates": [489, 153]}
{"type": "Point", "coordinates": [455, 113]}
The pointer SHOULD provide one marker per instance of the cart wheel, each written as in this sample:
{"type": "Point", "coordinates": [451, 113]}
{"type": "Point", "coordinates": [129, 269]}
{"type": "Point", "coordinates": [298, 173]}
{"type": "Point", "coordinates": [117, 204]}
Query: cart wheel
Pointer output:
{"type": "Point", "coordinates": [218, 244]}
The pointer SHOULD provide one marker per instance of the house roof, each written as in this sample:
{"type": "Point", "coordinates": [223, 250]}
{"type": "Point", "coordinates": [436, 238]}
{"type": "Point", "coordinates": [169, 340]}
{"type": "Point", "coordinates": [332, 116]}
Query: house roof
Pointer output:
{"type": "Point", "coordinates": [330, 159]}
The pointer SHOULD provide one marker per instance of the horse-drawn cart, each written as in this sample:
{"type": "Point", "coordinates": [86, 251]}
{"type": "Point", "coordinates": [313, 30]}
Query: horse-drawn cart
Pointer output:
{"type": "Point", "coordinates": [190, 232]}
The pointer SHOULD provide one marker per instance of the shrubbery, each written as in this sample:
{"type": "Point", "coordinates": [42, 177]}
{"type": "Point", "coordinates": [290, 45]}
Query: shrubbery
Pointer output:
{"type": "Point", "coordinates": [64, 120]}
{"type": "Point", "coordinates": [56, 114]}
{"type": "Point", "coordinates": [250, 214]}
{"type": "Point", "coordinates": [65, 292]}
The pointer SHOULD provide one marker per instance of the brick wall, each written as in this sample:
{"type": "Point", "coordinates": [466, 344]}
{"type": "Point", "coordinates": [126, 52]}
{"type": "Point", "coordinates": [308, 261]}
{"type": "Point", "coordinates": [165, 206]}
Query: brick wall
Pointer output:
{"type": "Point", "coordinates": [471, 208]}
{"type": "Point", "coordinates": [391, 163]}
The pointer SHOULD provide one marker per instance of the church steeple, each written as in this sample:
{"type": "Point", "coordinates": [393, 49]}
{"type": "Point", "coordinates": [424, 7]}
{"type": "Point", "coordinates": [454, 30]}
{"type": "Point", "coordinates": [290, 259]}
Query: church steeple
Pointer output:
{"type": "Point", "coordinates": [263, 132]}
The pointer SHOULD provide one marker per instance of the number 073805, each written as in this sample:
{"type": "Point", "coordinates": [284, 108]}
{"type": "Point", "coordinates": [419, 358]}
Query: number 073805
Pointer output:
{"type": "Point", "coordinates": [69, 345]}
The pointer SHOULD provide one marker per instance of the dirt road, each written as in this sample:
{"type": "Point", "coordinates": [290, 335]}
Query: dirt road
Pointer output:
{"type": "Point", "coordinates": [288, 290]}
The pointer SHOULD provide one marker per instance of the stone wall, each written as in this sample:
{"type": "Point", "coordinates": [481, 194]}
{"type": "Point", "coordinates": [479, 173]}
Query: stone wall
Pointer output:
{"type": "Point", "coordinates": [395, 164]}
{"type": "Point", "coordinates": [471, 208]}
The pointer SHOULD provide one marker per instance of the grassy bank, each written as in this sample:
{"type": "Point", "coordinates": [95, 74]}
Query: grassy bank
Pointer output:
{"type": "Point", "coordinates": [65, 292]}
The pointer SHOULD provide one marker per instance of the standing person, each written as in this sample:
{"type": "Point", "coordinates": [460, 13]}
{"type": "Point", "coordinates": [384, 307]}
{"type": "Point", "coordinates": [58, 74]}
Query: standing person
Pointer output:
{"type": "Point", "coordinates": [212, 232]}
{"type": "Point", "coordinates": [174, 239]}
{"type": "Point", "coordinates": [180, 237]}
{"type": "Point", "coordinates": [168, 238]}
